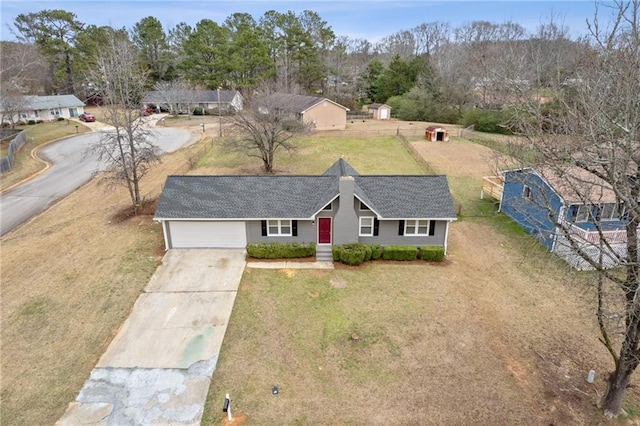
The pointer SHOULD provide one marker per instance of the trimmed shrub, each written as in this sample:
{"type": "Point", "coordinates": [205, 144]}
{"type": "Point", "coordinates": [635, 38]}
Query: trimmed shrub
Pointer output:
{"type": "Point", "coordinates": [30, 122]}
{"type": "Point", "coordinates": [376, 251]}
{"type": "Point", "coordinates": [335, 253]}
{"type": "Point", "coordinates": [280, 250]}
{"type": "Point", "coordinates": [60, 119]}
{"type": "Point", "coordinates": [400, 253]}
{"type": "Point", "coordinates": [367, 253]}
{"type": "Point", "coordinates": [353, 254]}
{"type": "Point", "coordinates": [198, 111]}
{"type": "Point", "coordinates": [432, 253]}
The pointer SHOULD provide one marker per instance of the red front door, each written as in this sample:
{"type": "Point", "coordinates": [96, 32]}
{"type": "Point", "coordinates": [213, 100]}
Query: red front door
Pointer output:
{"type": "Point", "coordinates": [324, 230]}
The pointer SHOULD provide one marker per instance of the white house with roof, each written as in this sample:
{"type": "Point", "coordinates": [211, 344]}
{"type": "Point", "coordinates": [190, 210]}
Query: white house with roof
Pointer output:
{"type": "Point", "coordinates": [48, 108]}
{"type": "Point", "coordinates": [337, 207]}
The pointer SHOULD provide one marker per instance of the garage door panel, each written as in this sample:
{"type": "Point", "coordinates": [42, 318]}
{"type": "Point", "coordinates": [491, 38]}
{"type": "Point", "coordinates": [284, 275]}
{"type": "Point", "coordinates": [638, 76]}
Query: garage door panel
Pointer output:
{"type": "Point", "coordinates": [201, 234]}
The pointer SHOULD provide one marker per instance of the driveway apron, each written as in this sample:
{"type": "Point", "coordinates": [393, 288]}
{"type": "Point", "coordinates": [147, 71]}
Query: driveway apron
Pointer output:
{"type": "Point", "coordinates": [158, 368]}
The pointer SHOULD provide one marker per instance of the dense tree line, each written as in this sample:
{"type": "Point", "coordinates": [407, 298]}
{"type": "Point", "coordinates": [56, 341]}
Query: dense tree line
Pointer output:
{"type": "Point", "coordinates": [430, 72]}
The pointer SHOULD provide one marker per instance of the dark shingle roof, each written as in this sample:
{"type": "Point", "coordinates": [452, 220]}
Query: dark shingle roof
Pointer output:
{"type": "Point", "coordinates": [398, 197]}
{"type": "Point", "coordinates": [245, 197]}
{"type": "Point", "coordinates": [193, 96]}
{"type": "Point", "coordinates": [262, 197]}
{"type": "Point", "coordinates": [340, 168]}
{"type": "Point", "coordinates": [295, 103]}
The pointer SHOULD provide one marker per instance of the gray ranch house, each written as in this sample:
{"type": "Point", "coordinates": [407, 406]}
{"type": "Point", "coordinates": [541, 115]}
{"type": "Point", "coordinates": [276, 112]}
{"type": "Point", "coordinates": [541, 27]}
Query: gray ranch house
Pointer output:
{"type": "Point", "coordinates": [184, 101]}
{"type": "Point", "coordinates": [47, 108]}
{"type": "Point", "coordinates": [338, 207]}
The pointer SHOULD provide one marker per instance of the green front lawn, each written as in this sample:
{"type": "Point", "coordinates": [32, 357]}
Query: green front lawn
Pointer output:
{"type": "Point", "coordinates": [313, 155]}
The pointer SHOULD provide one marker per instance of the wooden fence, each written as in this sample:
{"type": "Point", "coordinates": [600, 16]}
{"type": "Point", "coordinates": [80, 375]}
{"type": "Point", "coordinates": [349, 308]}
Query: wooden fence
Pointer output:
{"type": "Point", "coordinates": [6, 162]}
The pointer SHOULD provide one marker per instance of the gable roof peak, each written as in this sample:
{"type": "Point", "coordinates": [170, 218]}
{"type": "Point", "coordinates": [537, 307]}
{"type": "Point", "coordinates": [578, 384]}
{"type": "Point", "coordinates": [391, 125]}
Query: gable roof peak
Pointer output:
{"type": "Point", "coordinates": [341, 168]}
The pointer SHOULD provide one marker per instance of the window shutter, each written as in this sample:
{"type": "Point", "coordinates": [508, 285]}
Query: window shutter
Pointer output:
{"type": "Point", "coordinates": [401, 227]}
{"type": "Point", "coordinates": [376, 226]}
{"type": "Point", "coordinates": [294, 228]}
{"type": "Point", "coordinates": [432, 227]}
{"type": "Point", "coordinates": [264, 228]}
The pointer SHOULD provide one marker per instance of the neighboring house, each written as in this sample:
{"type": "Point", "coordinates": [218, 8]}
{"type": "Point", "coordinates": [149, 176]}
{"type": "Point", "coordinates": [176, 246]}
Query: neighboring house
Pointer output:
{"type": "Point", "coordinates": [545, 203]}
{"type": "Point", "coordinates": [337, 207]}
{"type": "Point", "coordinates": [320, 113]}
{"type": "Point", "coordinates": [380, 111]}
{"type": "Point", "coordinates": [187, 100]}
{"type": "Point", "coordinates": [49, 108]}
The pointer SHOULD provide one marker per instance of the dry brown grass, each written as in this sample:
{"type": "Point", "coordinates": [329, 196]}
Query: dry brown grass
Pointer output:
{"type": "Point", "coordinates": [500, 334]}
{"type": "Point", "coordinates": [69, 279]}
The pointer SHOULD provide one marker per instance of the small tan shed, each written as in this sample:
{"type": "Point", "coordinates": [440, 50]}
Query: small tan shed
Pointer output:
{"type": "Point", "coordinates": [380, 111]}
{"type": "Point", "coordinates": [436, 134]}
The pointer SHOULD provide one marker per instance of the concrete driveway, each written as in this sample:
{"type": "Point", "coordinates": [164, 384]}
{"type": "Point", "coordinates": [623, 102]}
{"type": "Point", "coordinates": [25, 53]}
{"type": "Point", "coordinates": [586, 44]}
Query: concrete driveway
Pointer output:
{"type": "Point", "coordinates": [157, 370]}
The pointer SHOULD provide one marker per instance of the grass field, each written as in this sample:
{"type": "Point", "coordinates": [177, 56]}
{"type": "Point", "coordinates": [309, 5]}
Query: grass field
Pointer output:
{"type": "Point", "coordinates": [24, 164]}
{"type": "Point", "coordinates": [501, 333]}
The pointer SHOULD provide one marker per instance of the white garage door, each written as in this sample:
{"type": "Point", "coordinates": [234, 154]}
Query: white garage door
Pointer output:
{"type": "Point", "coordinates": [208, 234]}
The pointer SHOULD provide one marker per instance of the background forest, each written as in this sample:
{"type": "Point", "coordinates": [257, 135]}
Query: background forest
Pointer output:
{"type": "Point", "coordinates": [432, 72]}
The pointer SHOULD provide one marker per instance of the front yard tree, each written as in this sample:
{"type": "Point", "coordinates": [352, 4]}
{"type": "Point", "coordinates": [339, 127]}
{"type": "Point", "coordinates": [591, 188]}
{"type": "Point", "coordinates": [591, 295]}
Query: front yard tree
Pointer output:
{"type": "Point", "coordinates": [594, 126]}
{"type": "Point", "coordinates": [265, 126]}
{"type": "Point", "coordinates": [127, 150]}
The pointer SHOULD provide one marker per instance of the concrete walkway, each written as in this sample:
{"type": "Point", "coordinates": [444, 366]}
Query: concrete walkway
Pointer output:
{"type": "Point", "coordinates": [158, 368]}
{"type": "Point", "coordinates": [290, 265]}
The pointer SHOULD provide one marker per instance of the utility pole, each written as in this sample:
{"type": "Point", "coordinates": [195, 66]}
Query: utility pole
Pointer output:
{"type": "Point", "coordinates": [219, 114]}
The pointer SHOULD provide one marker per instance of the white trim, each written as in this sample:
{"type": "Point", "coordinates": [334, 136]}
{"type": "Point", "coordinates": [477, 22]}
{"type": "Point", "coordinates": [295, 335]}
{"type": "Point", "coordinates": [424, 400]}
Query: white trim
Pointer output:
{"type": "Point", "coordinates": [446, 236]}
{"type": "Point", "coordinates": [373, 222]}
{"type": "Point", "coordinates": [226, 219]}
{"type": "Point", "coordinates": [367, 209]}
{"type": "Point", "coordinates": [370, 208]}
{"type": "Point", "coordinates": [164, 235]}
{"type": "Point", "coordinates": [330, 233]}
{"type": "Point", "coordinates": [419, 218]}
{"type": "Point", "coordinates": [316, 213]}
{"type": "Point", "coordinates": [416, 226]}
{"type": "Point", "coordinates": [280, 233]}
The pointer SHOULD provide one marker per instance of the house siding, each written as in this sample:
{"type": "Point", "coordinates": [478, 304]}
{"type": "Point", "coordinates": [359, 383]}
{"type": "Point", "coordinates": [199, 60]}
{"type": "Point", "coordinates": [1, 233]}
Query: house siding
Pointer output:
{"type": "Point", "coordinates": [326, 116]}
{"type": "Point", "coordinates": [532, 214]}
{"type": "Point", "coordinates": [388, 235]}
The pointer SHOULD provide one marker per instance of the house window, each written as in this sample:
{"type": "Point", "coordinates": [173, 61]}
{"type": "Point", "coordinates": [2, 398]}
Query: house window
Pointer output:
{"type": "Point", "coordinates": [279, 228]}
{"type": "Point", "coordinates": [608, 212]}
{"type": "Point", "coordinates": [526, 192]}
{"type": "Point", "coordinates": [54, 111]}
{"type": "Point", "coordinates": [582, 214]}
{"type": "Point", "coordinates": [363, 206]}
{"type": "Point", "coordinates": [416, 227]}
{"type": "Point", "coordinates": [366, 226]}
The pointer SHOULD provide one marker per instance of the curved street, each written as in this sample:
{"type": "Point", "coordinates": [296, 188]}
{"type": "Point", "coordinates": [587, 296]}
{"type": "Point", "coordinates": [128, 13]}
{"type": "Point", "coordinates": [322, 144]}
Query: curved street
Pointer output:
{"type": "Point", "coordinates": [72, 165]}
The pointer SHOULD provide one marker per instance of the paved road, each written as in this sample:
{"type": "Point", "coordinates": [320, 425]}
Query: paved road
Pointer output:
{"type": "Point", "coordinates": [71, 168]}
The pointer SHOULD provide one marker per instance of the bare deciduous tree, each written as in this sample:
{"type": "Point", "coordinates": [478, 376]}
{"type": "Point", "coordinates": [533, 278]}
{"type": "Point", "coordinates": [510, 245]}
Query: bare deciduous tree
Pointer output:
{"type": "Point", "coordinates": [127, 150]}
{"type": "Point", "coordinates": [177, 95]}
{"type": "Point", "coordinates": [266, 125]}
